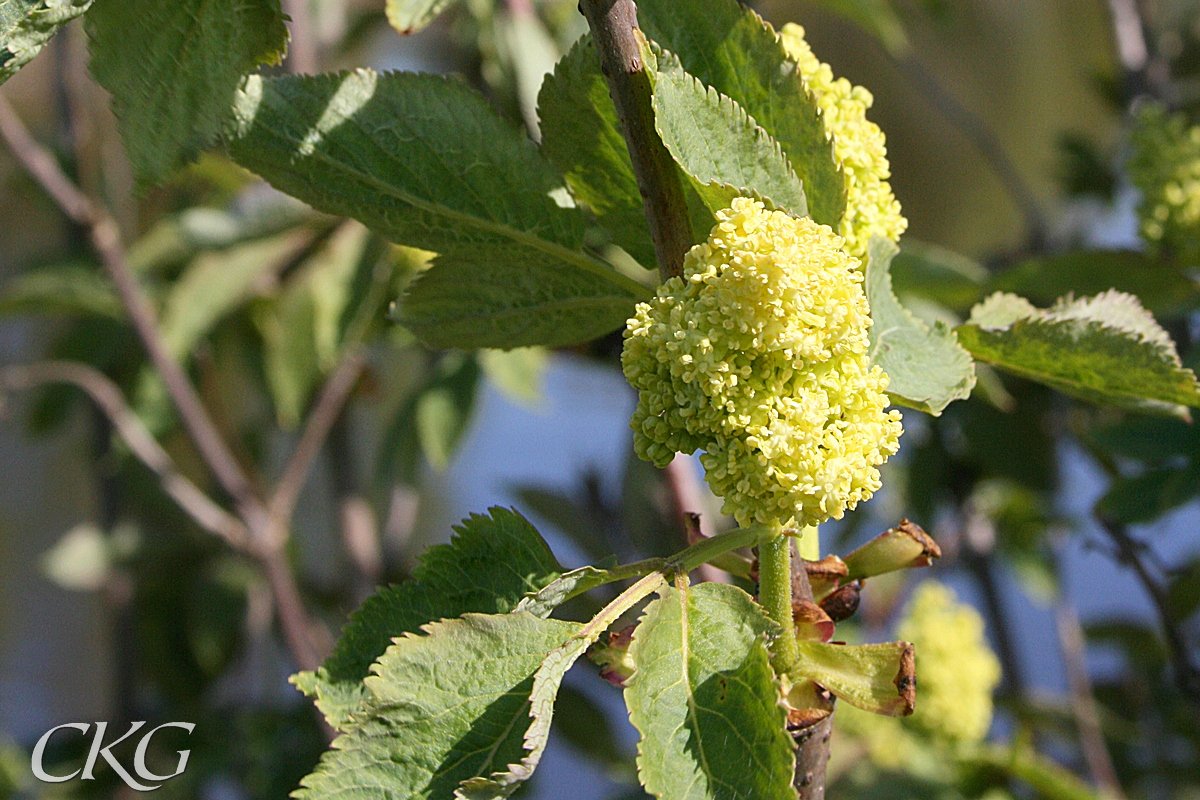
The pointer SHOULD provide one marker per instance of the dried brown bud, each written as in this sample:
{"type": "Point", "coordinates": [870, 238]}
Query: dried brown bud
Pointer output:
{"type": "Point", "coordinates": [824, 575]}
{"type": "Point", "coordinates": [843, 602]}
{"type": "Point", "coordinates": [906, 680]}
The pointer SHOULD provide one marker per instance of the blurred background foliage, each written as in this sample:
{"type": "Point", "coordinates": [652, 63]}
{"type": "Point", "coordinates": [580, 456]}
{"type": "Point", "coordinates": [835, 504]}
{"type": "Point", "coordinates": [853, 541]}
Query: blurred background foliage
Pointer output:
{"type": "Point", "coordinates": [1008, 125]}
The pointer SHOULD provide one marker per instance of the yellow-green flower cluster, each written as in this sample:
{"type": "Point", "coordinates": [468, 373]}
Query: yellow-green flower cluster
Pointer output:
{"type": "Point", "coordinates": [858, 146]}
{"type": "Point", "coordinates": [1165, 166]}
{"type": "Point", "coordinates": [758, 357]}
{"type": "Point", "coordinates": [956, 670]}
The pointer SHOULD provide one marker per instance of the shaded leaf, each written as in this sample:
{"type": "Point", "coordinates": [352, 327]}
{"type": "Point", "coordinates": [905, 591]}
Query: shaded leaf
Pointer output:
{"type": "Point", "coordinates": [1183, 595]}
{"type": "Point", "coordinates": [513, 296]}
{"type": "Point", "coordinates": [517, 373]}
{"type": "Point", "coordinates": [26, 25]}
{"type": "Point", "coordinates": [926, 367]}
{"type": "Point", "coordinates": [1150, 495]}
{"type": "Point", "coordinates": [73, 290]}
{"type": "Point", "coordinates": [705, 700]}
{"type": "Point", "coordinates": [443, 410]}
{"type": "Point", "coordinates": [173, 69]}
{"type": "Point", "coordinates": [488, 567]}
{"type": "Point", "coordinates": [877, 17]}
{"type": "Point", "coordinates": [581, 135]}
{"type": "Point", "coordinates": [730, 48]}
{"type": "Point", "coordinates": [217, 283]}
{"type": "Point", "coordinates": [425, 161]}
{"type": "Point", "coordinates": [302, 327]}
{"type": "Point", "coordinates": [440, 709]}
{"type": "Point", "coordinates": [1048, 779]}
{"type": "Point", "coordinates": [715, 142]}
{"type": "Point", "coordinates": [1105, 349]}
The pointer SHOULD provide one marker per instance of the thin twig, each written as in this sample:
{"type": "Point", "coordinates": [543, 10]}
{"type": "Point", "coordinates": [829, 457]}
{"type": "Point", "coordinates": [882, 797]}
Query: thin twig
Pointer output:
{"type": "Point", "coordinates": [316, 430]}
{"type": "Point", "coordinates": [618, 42]}
{"type": "Point", "coordinates": [302, 50]}
{"type": "Point", "coordinates": [1083, 702]}
{"type": "Point", "coordinates": [106, 239]}
{"type": "Point", "coordinates": [985, 142]}
{"type": "Point", "coordinates": [1187, 674]}
{"type": "Point", "coordinates": [107, 396]}
{"type": "Point", "coordinates": [978, 544]}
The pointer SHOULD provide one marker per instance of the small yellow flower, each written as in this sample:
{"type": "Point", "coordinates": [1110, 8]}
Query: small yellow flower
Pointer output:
{"type": "Point", "coordinates": [858, 145]}
{"type": "Point", "coordinates": [758, 357]}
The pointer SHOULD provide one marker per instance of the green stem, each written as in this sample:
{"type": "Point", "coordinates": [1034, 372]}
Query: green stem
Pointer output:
{"type": "Point", "coordinates": [775, 596]}
{"type": "Point", "coordinates": [705, 551]}
{"type": "Point", "coordinates": [684, 561]}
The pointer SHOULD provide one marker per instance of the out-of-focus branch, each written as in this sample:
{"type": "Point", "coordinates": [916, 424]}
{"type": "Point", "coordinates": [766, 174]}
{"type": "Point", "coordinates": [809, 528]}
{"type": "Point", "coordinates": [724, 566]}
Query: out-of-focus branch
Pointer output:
{"type": "Point", "coordinates": [316, 430]}
{"type": "Point", "coordinates": [978, 543]}
{"type": "Point", "coordinates": [106, 239]}
{"type": "Point", "coordinates": [1083, 702]}
{"type": "Point", "coordinates": [302, 49]}
{"type": "Point", "coordinates": [985, 142]}
{"type": "Point", "coordinates": [199, 506]}
{"type": "Point", "coordinates": [1187, 674]}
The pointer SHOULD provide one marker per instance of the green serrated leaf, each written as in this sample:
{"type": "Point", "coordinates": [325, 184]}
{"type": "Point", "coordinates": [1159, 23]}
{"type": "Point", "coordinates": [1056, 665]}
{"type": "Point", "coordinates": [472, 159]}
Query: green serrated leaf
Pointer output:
{"type": "Point", "coordinates": [865, 676]}
{"type": "Point", "coordinates": [440, 709]}
{"type": "Point", "coordinates": [705, 700]}
{"type": "Point", "coordinates": [730, 48]}
{"type": "Point", "coordinates": [926, 367]}
{"type": "Point", "coordinates": [410, 16]}
{"type": "Point", "coordinates": [72, 289]}
{"type": "Point", "coordinates": [425, 161]}
{"type": "Point", "coordinates": [26, 26]}
{"type": "Point", "coordinates": [1105, 349]}
{"type": "Point", "coordinates": [488, 567]}
{"type": "Point", "coordinates": [581, 135]}
{"type": "Point", "coordinates": [716, 142]}
{"type": "Point", "coordinates": [545, 690]}
{"type": "Point", "coordinates": [514, 296]}
{"type": "Point", "coordinates": [173, 69]}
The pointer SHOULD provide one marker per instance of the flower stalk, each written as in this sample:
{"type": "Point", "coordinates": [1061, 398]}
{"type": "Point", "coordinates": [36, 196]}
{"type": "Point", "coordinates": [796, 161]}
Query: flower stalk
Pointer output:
{"type": "Point", "coordinates": [775, 596]}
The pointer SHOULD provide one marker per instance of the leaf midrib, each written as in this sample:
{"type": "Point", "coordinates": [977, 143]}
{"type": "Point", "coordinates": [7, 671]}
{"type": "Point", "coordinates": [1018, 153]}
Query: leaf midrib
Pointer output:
{"type": "Point", "coordinates": [574, 257]}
